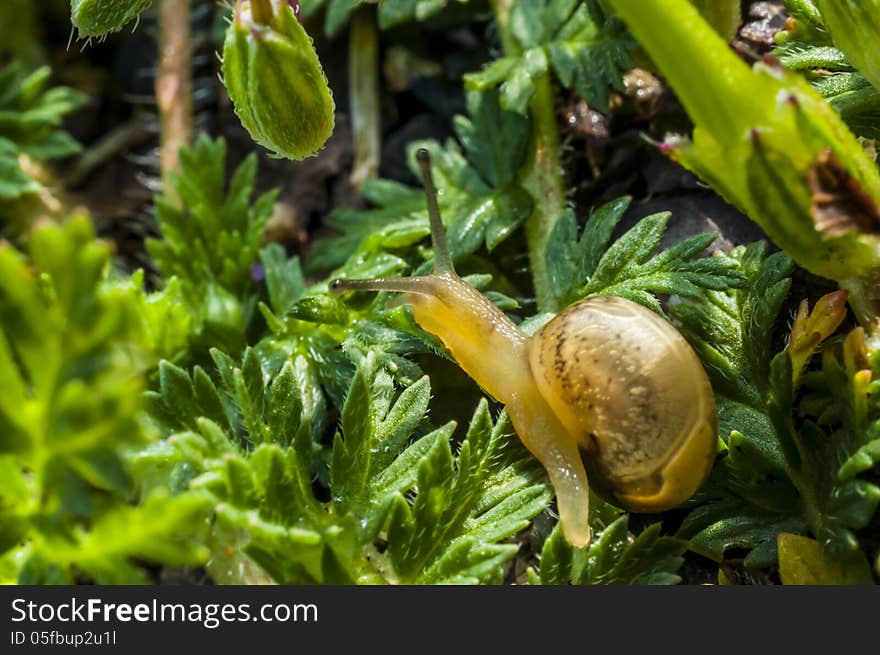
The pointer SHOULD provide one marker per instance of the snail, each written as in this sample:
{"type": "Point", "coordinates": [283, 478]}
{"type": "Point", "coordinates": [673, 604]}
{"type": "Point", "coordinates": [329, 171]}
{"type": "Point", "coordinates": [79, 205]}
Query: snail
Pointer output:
{"type": "Point", "coordinates": [607, 388]}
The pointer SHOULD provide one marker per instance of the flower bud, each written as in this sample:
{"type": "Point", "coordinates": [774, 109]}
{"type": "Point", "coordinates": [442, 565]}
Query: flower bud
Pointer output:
{"type": "Point", "coordinates": [275, 79]}
{"type": "Point", "coordinates": [98, 17]}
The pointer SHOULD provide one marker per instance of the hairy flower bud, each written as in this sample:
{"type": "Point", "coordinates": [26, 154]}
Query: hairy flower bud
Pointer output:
{"type": "Point", "coordinates": [275, 79]}
{"type": "Point", "coordinates": [97, 17]}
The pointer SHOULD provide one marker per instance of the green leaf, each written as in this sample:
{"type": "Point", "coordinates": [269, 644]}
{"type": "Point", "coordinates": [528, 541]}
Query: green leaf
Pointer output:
{"type": "Point", "coordinates": [586, 266]}
{"type": "Point", "coordinates": [99, 17]}
{"type": "Point", "coordinates": [803, 562]}
{"type": "Point", "coordinates": [30, 124]}
{"type": "Point", "coordinates": [69, 364]}
{"type": "Point", "coordinates": [480, 198]}
{"type": "Point", "coordinates": [588, 51]}
{"type": "Point", "coordinates": [763, 139]}
{"type": "Point", "coordinates": [211, 241]}
{"type": "Point", "coordinates": [780, 474]}
{"type": "Point", "coordinates": [284, 277]}
{"type": "Point", "coordinates": [731, 331]}
{"type": "Point", "coordinates": [443, 518]}
{"type": "Point", "coordinates": [612, 557]}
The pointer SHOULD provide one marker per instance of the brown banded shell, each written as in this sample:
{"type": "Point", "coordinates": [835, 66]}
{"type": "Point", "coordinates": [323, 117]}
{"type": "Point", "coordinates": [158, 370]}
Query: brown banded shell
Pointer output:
{"type": "Point", "coordinates": [633, 394]}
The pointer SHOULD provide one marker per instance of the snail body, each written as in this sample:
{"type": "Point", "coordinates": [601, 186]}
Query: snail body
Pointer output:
{"type": "Point", "coordinates": [606, 389]}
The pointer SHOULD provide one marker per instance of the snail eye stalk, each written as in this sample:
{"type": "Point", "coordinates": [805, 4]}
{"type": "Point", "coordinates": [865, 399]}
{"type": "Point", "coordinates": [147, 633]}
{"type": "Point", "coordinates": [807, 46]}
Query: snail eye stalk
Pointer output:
{"type": "Point", "coordinates": [442, 257]}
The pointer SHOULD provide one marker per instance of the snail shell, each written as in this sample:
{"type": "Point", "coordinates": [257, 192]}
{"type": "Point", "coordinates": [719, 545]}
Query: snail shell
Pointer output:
{"type": "Point", "coordinates": [606, 391]}
{"type": "Point", "coordinates": [632, 392]}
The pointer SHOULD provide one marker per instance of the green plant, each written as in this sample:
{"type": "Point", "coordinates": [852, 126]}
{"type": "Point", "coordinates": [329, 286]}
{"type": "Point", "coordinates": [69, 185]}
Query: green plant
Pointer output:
{"type": "Point", "coordinates": [613, 557]}
{"type": "Point", "coordinates": [723, 15]}
{"type": "Point", "coordinates": [767, 142]}
{"type": "Point", "coordinates": [30, 125]}
{"type": "Point", "coordinates": [69, 507]}
{"type": "Point", "coordinates": [390, 12]}
{"type": "Point", "coordinates": [852, 25]}
{"type": "Point", "coordinates": [779, 475]}
{"type": "Point", "coordinates": [585, 49]}
{"type": "Point", "coordinates": [98, 17]}
{"type": "Point", "coordinates": [251, 448]}
{"type": "Point", "coordinates": [211, 236]}
{"type": "Point", "coordinates": [807, 47]}
{"type": "Point", "coordinates": [585, 265]}
{"type": "Point", "coordinates": [483, 201]}
{"type": "Point", "coordinates": [223, 409]}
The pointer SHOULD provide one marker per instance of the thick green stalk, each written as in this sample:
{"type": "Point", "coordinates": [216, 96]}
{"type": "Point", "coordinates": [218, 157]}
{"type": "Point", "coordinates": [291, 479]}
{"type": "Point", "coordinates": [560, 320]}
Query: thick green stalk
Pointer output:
{"type": "Point", "coordinates": [723, 15]}
{"type": "Point", "coordinates": [363, 82]}
{"type": "Point", "coordinates": [679, 40]}
{"type": "Point", "coordinates": [767, 142]}
{"type": "Point", "coordinates": [542, 176]}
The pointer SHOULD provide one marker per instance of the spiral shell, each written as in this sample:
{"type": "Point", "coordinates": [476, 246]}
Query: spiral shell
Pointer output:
{"type": "Point", "coordinates": [633, 394]}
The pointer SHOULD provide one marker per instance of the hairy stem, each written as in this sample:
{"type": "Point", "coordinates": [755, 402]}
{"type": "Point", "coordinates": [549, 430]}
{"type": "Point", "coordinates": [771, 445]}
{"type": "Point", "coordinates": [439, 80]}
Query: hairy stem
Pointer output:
{"type": "Point", "coordinates": [542, 176]}
{"type": "Point", "coordinates": [363, 82]}
{"type": "Point", "coordinates": [544, 181]}
{"type": "Point", "coordinates": [174, 85]}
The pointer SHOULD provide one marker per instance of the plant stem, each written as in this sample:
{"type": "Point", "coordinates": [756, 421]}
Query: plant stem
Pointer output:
{"type": "Point", "coordinates": [363, 83]}
{"type": "Point", "coordinates": [542, 176]}
{"type": "Point", "coordinates": [174, 86]}
{"type": "Point", "coordinates": [111, 144]}
{"type": "Point", "coordinates": [544, 181]}
{"type": "Point", "coordinates": [675, 33]}
{"type": "Point", "coordinates": [501, 9]}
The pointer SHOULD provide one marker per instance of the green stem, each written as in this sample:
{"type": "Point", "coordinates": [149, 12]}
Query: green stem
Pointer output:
{"type": "Point", "coordinates": [363, 82]}
{"type": "Point", "coordinates": [544, 180]}
{"type": "Point", "coordinates": [501, 8]}
{"type": "Point", "coordinates": [723, 15]}
{"type": "Point", "coordinates": [543, 175]}
{"type": "Point", "coordinates": [705, 73]}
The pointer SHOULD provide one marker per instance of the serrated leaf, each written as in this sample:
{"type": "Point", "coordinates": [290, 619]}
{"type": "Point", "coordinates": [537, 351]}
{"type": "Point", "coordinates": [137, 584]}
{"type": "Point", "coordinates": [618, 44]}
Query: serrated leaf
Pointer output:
{"type": "Point", "coordinates": [587, 51]}
{"type": "Point", "coordinates": [265, 495]}
{"type": "Point", "coordinates": [211, 230]}
{"type": "Point", "coordinates": [30, 123]}
{"type": "Point", "coordinates": [480, 199]}
{"type": "Point", "coordinates": [578, 268]}
{"type": "Point", "coordinates": [613, 557]}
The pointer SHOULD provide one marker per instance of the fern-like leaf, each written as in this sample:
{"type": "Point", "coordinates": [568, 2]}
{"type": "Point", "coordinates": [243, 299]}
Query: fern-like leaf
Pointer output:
{"type": "Point", "coordinates": [587, 51]}
{"type": "Point", "coordinates": [481, 199]}
{"type": "Point", "coordinates": [248, 442]}
{"type": "Point", "coordinates": [211, 234]}
{"type": "Point", "coordinates": [587, 266]}
{"type": "Point", "coordinates": [68, 419]}
{"type": "Point", "coordinates": [612, 557]}
{"type": "Point", "coordinates": [30, 124]}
